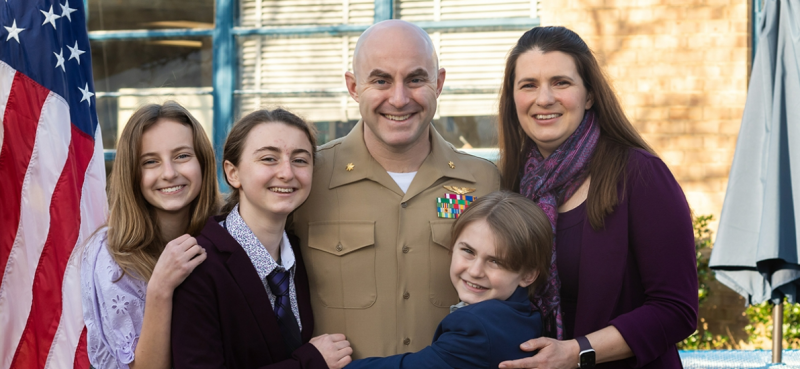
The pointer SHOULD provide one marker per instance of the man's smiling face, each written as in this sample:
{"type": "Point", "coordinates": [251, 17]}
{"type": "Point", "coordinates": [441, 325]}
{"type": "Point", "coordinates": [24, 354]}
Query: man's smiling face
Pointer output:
{"type": "Point", "coordinates": [396, 82]}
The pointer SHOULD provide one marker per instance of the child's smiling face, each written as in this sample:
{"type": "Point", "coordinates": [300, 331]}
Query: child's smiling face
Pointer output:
{"type": "Point", "coordinates": [476, 271]}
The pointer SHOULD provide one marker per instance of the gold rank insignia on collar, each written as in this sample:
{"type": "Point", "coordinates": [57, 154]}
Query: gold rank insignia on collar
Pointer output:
{"type": "Point", "coordinates": [350, 167]}
{"type": "Point", "coordinates": [452, 165]}
{"type": "Point", "coordinates": [459, 190]}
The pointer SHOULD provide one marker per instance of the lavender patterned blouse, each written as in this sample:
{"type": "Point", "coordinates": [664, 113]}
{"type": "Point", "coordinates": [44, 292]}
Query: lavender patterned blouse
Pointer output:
{"type": "Point", "coordinates": [113, 311]}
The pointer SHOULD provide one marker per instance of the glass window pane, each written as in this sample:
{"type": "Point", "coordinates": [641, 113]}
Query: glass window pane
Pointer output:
{"type": "Point", "coordinates": [468, 132]}
{"type": "Point", "coordinates": [282, 13]}
{"type": "Point", "coordinates": [107, 15]}
{"type": "Point", "coordinates": [114, 112]}
{"type": "Point", "coordinates": [148, 63]}
{"type": "Point", "coordinates": [107, 116]}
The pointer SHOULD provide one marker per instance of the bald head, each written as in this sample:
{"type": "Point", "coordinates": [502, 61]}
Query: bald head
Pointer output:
{"type": "Point", "coordinates": [396, 34]}
{"type": "Point", "coordinates": [396, 80]}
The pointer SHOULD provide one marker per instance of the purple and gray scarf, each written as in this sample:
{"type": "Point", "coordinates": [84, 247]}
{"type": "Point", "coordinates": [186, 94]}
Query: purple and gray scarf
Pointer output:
{"type": "Point", "coordinates": [550, 182]}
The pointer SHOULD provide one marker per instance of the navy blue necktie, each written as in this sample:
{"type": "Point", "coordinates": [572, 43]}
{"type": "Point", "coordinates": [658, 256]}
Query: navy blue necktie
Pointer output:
{"type": "Point", "coordinates": [278, 282]}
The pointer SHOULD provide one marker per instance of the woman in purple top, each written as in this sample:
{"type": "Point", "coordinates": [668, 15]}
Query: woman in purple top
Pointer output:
{"type": "Point", "coordinates": [622, 289]}
{"type": "Point", "coordinates": [162, 189]}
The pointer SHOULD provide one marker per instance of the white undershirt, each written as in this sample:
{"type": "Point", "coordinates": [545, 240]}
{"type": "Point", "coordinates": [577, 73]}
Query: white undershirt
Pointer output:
{"type": "Point", "coordinates": [403, 179]}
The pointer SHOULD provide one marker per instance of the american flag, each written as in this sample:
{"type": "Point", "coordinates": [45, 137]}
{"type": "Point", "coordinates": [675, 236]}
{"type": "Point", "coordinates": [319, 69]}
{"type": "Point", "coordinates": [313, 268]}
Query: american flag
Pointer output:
{"type": "Point", "coordinates": [52, 181]}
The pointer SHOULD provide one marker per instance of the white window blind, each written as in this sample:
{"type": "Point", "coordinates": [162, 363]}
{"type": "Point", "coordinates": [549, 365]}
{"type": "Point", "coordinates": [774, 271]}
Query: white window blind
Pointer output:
{"type": "Point", "coordinates": [444, 10]}
{"type": "Point", "coordinates": [302, 74]}
{"type": "Point", "coordinates": [282, 13]}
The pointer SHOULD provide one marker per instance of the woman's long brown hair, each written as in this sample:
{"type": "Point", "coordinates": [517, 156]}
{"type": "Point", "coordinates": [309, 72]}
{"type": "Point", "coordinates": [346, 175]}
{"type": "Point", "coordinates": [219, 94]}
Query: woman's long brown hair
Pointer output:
{"type": "Point", "coordinates": [617, 135]}
{"type": "Point", "coordinates": [134, 238]}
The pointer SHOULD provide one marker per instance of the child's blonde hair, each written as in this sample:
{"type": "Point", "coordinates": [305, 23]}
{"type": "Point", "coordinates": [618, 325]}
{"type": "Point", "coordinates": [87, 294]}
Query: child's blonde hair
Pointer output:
{"type": "Point", "coordinates": [521, 229]}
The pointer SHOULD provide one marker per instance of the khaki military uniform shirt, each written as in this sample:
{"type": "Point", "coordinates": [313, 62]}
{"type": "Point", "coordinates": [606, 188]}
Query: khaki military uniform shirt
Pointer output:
{"type": "Point", "coordinates": [377, 258]}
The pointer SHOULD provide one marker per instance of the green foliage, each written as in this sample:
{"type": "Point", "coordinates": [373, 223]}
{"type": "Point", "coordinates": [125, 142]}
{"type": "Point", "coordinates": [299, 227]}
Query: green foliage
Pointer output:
{"type": "Point", "coordinates": [702, 241]}
{"type": "Point", "coordinates": [760, 317]}
{"type": "Point", "coordinates": [702, 339]}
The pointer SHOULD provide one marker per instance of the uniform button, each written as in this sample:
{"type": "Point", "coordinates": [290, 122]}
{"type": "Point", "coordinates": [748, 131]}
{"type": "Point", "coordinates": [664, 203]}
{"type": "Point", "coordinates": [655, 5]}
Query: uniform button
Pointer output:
{"type": "Point", "coordinates": [404, 204]}
{"type": "Point", "coordinates": [339, 247]}
{"type": "Point", "coordinates": [407, 341]}
{"type": "Point", "coordinates": [406, 295]}
{"type": "Point", "coordinates": [405, 249]}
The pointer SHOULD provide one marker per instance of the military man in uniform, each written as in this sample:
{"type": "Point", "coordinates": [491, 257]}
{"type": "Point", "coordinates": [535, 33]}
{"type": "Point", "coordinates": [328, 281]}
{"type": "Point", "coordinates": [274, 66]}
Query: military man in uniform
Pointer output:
{"type": "Point", "coordinates": [375, 230]}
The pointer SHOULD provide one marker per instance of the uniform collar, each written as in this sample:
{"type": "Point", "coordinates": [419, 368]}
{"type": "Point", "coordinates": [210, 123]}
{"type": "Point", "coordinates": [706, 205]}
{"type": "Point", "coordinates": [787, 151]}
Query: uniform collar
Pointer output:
{"type": "Point", "coordinates": [437, 164]}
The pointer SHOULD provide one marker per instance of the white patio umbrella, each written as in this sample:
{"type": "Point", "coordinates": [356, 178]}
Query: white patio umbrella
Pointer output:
{"type": "Point", "coordinates": [756, 250]}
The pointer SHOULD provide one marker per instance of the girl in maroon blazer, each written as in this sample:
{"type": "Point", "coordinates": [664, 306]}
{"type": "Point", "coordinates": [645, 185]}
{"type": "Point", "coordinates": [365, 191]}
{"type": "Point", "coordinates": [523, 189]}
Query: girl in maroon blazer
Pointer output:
{"type": "Point", "coordinates": [622, 289]}
{"type": "Point", "coordinates": [248, 305]}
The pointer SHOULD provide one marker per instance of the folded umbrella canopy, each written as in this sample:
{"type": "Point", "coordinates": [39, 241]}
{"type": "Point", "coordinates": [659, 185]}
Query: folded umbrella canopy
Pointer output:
{"type": "Point", "coordinates": [756, 250]}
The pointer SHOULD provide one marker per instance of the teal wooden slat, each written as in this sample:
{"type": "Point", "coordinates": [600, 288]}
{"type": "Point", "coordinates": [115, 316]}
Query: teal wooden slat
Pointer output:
{"type": "Point", "coordinates": [223, 78]}
{"type": "Point", "coordinates": [384, 9]}
{"type": "Point", "coordinates": [149, 33]}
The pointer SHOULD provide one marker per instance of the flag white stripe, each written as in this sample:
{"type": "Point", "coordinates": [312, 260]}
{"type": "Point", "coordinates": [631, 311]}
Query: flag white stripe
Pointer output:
{"type": "Point", "coordinates": [94, 210]}
{"type": "Point", "coordinates": [49, 155]}
{"type": "Point", "coordinates": [6, 79]}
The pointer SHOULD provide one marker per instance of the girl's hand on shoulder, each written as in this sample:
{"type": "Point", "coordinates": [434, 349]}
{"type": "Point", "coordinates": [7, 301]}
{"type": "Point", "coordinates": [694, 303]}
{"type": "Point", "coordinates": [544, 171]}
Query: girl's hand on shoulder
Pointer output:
{"type": "Point", "coordinates": [178, 259]}
{"type": "Point", "coordinates": [335, 348]}
{"type": "Point", "coordinates": [553, 354]}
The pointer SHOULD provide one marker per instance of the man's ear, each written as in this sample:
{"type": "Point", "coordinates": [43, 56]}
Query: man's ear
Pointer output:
{"type": "Point", "coordinates": [350, 81]}
{"type": "Point", "coordinates": [528, 279]}
{"type": "Point", "coordinates": [232, 174]}
{"type": "Point", "coordinates": [440, 81]}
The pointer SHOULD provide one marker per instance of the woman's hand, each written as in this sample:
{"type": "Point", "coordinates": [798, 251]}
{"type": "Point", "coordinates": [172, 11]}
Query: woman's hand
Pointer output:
{"type": "Point", "coordinates": [553, 354]}
{"type": "Point", "coordinates": [334, 348]}
{"type": "Point", "coordinates": [178, 259]}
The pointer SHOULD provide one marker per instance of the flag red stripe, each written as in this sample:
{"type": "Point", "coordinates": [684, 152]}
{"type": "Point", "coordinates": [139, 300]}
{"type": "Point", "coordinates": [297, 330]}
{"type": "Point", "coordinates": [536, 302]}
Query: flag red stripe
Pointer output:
{"type": "Point", "coordinates": [34, 346]}
{"type": "Point", "coordinates": [81, 356]}
{"type": "Point", "coordinates": [20, 121]}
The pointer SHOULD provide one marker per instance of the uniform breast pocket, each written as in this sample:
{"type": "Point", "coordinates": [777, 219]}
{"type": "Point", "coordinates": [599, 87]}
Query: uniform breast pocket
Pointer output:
{"type": "Point", "coordinates": [343, 257]}
{"type": "Point", "coordinates": [442, 292]}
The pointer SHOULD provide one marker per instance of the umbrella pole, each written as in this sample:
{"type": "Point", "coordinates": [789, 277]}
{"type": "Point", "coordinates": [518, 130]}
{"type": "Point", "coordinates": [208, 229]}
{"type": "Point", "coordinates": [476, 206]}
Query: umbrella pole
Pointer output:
{"type": "Point", "coordinates": [777, 332]}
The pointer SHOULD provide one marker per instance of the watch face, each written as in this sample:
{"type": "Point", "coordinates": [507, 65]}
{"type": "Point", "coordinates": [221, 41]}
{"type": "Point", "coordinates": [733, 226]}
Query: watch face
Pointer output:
{"type": "Point", "coordinates": [587, 359]}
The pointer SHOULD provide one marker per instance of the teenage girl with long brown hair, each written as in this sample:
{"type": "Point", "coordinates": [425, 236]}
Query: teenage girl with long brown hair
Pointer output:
{"type": "Point", "coordinates": [161, 191]}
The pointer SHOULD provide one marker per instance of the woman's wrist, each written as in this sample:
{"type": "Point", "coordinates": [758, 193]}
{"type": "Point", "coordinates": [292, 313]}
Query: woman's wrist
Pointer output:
{"type": "Point", "coordinates": [575, 352]}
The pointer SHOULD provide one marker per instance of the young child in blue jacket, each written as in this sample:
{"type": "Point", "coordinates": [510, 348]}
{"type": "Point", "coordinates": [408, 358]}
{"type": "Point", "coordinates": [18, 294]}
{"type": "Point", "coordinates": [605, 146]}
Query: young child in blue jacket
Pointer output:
{"type": "Point", "coordinates": [500, 245]}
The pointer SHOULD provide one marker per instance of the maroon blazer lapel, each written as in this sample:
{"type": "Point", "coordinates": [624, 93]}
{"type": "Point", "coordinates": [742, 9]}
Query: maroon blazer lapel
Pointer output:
{"type": "Point", "coordinates": [303, 291]}
{"type": "Point", "coordinates": [244, 273]}
{"type": "Point", "coordinates": [603, 260]}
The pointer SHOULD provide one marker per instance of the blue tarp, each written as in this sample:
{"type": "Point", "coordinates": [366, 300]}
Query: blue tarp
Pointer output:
{"type": "Point", "coordinates": [736, 359]}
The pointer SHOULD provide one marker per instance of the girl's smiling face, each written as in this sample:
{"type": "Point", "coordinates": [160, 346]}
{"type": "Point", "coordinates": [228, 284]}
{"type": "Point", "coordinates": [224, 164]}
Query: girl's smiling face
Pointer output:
{"type": "Point", "coordinates": [274, 174]}
{"type": "Point", "coordinates": [171, 173]}
{"type": "Point", "coordinates": [475, 270]}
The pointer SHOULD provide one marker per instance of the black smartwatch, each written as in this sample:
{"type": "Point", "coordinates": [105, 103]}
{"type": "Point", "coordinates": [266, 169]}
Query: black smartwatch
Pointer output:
{"type": "Point", "coordinates": [586, 356]}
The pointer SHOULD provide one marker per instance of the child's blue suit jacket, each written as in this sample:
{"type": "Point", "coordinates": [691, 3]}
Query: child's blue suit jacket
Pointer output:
{"type": "Point", "coordinates": [475, 336]}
